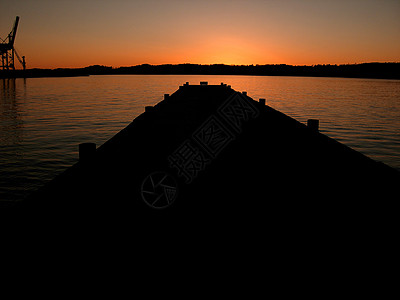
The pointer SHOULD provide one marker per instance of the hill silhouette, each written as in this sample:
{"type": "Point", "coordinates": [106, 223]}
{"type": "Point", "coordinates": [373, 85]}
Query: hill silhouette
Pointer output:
{"type": "Point", "coordinates": [364, 70]}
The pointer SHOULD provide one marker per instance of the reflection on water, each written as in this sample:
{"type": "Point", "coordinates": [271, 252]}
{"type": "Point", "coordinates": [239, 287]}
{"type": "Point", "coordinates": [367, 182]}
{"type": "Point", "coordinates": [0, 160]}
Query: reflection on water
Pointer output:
{"type": "Point", "coordinates": [11, 139]}
{"type": "Point", "coordinates": [42, 120]}
{"type": "Point", "coordinates": [11, 120]}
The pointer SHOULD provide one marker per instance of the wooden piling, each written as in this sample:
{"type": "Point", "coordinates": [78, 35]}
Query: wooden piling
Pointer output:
{"type": "Point", "coordinates": [313, 124]}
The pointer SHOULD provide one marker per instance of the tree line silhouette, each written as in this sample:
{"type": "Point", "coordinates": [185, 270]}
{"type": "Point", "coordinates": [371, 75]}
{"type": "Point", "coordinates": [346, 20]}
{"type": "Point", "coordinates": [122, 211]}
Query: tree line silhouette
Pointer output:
{"type": "Point", "coordinates": [364, 70]}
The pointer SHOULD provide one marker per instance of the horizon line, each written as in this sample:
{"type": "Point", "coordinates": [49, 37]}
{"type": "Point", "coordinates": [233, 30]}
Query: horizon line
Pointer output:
{"type": "Point", "coordinates": [214, 64]}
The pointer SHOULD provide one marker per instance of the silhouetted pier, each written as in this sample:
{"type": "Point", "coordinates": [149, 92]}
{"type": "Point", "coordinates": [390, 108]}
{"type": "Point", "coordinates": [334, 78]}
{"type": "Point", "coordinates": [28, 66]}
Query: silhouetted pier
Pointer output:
{"type": "Point", "coordinates": [207, 152]}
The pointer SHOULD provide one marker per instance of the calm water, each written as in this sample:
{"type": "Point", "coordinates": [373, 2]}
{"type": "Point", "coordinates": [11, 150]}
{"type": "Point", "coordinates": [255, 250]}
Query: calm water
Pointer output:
{"type": "Point", "coordinates": [42, 120]}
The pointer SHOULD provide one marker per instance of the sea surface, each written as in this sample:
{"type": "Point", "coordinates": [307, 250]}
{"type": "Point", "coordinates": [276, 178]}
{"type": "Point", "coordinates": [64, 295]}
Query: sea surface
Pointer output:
{"type": "Point", "coordinates": [43, 120]}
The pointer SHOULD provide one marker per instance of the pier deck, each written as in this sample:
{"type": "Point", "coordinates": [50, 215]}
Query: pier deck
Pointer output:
{"type": "Point", "coordinates": [207, 152]}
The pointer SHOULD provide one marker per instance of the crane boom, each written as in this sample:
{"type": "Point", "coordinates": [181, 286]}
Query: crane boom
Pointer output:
{"type": "Point", "coordinates": [8, 43]}
{"type": "Point", "coordinates": [11, 36]}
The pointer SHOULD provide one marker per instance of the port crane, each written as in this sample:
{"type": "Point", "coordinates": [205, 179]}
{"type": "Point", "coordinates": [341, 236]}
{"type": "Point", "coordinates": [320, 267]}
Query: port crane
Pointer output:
{"type": "Point", "coordinates": [8, 52]}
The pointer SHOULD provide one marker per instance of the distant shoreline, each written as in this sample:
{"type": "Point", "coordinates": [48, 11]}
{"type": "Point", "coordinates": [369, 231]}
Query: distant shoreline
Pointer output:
{"type": "Point", "coordinates": [365, 70]}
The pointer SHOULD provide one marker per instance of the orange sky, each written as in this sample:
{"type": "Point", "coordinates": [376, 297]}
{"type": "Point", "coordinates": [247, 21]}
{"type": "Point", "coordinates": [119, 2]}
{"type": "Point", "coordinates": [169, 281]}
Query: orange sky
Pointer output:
{"type": "Point", "coordinates": [78, 33]}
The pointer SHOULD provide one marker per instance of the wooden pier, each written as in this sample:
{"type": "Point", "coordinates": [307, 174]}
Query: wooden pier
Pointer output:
{"type": "Point", "coordinates": [207, 152]}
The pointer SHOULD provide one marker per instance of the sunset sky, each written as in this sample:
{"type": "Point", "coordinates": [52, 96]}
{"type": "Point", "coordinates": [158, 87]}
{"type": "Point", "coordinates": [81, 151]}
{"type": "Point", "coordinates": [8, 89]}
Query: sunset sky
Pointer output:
{"type": "Point", "coordinates": [79, 33]}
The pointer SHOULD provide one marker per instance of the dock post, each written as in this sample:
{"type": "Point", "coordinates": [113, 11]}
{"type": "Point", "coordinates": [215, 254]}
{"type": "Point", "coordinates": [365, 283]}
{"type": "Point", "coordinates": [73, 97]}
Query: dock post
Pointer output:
{"type": "Point", "coordinates": [148, 108]}
{"type": "Point", "coordinates": [87, 152]}
{"type": "Point", "coordinates": [203, 82]}
{"type": "Point", "coordinates": [313, 124]}
{"type": "Point", "coordinates": [262, 101]}
{"type": "Point", "coordinates": [244, 93]}
{"type": "Point", "coordinates": [166, 96]}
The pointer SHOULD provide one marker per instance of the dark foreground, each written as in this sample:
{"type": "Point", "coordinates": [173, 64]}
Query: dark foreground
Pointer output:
{"type": "Point", "coordinates": [210, 183]}
{"type": "Point", "coordinates": [210, 156]}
